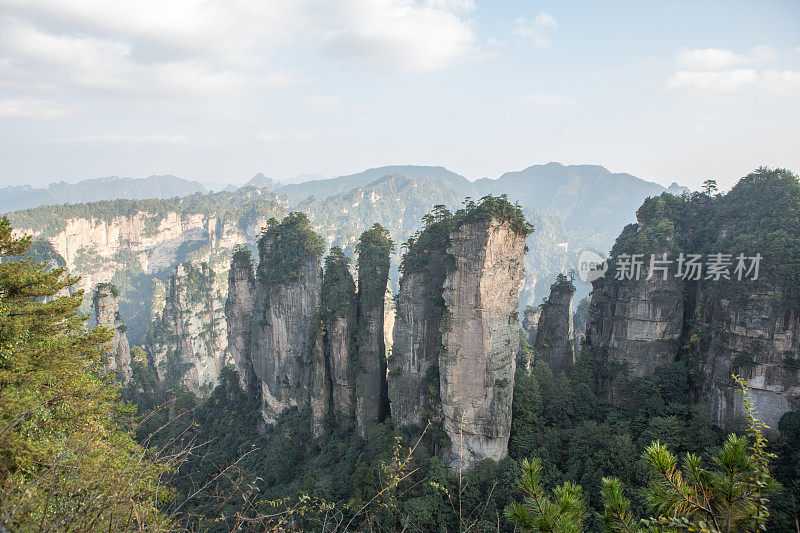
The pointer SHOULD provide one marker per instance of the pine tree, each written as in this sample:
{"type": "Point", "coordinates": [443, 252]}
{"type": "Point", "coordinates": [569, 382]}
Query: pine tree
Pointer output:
{"type": "Point", "coordinates": [68, 459]}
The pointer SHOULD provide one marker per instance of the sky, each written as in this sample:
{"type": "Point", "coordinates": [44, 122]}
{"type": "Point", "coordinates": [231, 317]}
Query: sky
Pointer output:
{"type": "Point", "coordinates": [219, 90]}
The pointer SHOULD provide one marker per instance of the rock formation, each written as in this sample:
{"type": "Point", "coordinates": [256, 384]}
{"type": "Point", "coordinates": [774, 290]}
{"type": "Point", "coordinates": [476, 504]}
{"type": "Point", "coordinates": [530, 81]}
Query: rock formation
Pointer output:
{"type": "Point", "coordinates": [414, 364]}
{"type": "Point", "coordinates": [456, 333]}
{"type": "Point", "coordinates": [555, 344]}
{"type": "Point", "coordinates": [760, 341]}
{"type": "Point", "coordinates": [106, 312]}
{"type": "Point", "coordinates": [239, 315]}
{"type": "Point", "coordinates": [480, 337]}
{"type": "Point", "coordinates": [339, 321]}
{"type": "Point", "coordinates": [286, 316]}
{"type": "Point", "coordinates": [374, 249]}
{"type": "Point", "coordinates": [188, 342]}
{"type": "Point", "coordinates": [716, 324]}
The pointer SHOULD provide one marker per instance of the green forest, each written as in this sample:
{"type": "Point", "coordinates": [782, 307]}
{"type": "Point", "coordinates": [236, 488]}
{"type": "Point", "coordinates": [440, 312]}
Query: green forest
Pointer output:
{"type": "Point", "coordinates": [79, 452]}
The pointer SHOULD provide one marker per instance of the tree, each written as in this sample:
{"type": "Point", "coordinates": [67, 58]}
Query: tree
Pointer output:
{"type": "Point", "coordinates": [709, 187]}
{"type": "Point", "coordinates": [68, 458]}
{"type": "Point", "coordinates": [562, 512]}
{"type": "Point", "coordinates": [732, 496]}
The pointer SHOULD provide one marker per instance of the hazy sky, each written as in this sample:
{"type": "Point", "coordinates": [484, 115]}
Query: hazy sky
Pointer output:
{"type": "Point", "coordinates": [219, 90]}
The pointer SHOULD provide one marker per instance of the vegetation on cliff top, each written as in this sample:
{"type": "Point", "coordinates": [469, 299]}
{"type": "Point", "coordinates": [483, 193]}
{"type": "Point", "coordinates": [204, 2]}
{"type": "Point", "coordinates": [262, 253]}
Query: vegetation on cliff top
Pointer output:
{"type": "Point", "coordinates": [285, 247]}
{"type": "Point", "coordinates": [338, 287]}
{"type": "Point", "coordinates": [374, 250]}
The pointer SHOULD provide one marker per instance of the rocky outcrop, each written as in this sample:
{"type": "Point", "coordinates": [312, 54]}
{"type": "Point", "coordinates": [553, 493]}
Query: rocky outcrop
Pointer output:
{"type": "Point", "coordinates": [554, 333]}
{"type": "Point", "coordinates": [371, 388]}
{"type": "Point", "coordinates": [106, 312]}
{"type": "Point", "coordinates": [637, 323]}
{"type": "Point", "coordinates": [239, 316]}
{"type": "Point", "coordinates": [188, 342]}
{"type": "Point", "coordinates": [759, 340]}
{"type": "Point", "coordinates": [284, 328]}
{"type": "Point", "coordinates": [480, 337]}
{"type": "Point", "coordinates": [414, 364]}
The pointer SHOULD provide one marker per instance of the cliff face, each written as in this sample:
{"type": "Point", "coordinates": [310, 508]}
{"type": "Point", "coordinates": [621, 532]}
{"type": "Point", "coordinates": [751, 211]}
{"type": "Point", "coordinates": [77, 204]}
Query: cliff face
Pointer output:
{"type": "Point", "coordinates": [638, 323]}
{"type": "Point", "coordinates": [188, 342]}
{"type": "Point", "coordinates": [239, 316]}
{"type": "Point", "coordinates": [737, 318]}
{"type": "Point", "coordinates": [106, 312]}
{"type": "Point", "coordinates": [554, 332]}
{"type": "Point", "coordinates": [760, 341]}
{"type": "Point", "coordinates": [284, 333]}
{"type": "Point", "coordinates": [414, 363]}
{"type": "Point", "coordinates": [480, 336]}
{"type": "Point", "coordinates": [371, 388]}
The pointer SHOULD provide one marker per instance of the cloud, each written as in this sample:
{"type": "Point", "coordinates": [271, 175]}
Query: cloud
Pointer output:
{"type": "Point", "coordinates": [722, 81]}
{"type": "Point", "coordinates": [712, 80]}
{"type": "Point", "coordinates": [714, 70]}
{"type": "Point", "coordinates": [411, 35]}
{"type": "Point", "coordinates": [535, 31]}
{"type": "Point", "coordinates": [546, 99]}
{"type": "Point", "coordinates": [123, 139]}
{"type": "Point", "coordinates": [31, 108]}
{"type": "Point", "coordinates": [709, 59]}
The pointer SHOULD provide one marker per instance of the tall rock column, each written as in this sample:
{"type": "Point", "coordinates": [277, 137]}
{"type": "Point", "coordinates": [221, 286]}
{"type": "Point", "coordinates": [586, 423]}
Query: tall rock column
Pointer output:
{"type": "Point", "coordinates": [106, 312]}
{"type": "Point", "coordinates": [414, 363]}
{"type": "Point", "coordinates": [239, 315]}
{"type": "Point", "coordinates": [372, 404]}
{"type": "Point", "coordinates": [285, 323]}
{"type": "Point", "coordinates": [480, 336]}
{"type": "Point", "coordinates": [555, 343]}
{"type": "Point", "coordinates": [339, 320]}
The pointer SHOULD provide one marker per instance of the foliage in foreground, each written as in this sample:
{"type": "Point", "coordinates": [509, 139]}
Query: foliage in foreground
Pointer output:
{"type": "Point", "coordinates": [731, 496]}
{"type": "Point", "coordinates": [68, 459]}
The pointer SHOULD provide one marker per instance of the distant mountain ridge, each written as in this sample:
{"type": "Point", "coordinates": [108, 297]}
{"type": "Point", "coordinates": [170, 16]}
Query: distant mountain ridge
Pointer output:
{"type": "Point", "coordinates": [94, 190]}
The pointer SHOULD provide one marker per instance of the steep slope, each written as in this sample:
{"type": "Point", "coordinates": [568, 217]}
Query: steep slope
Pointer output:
{"type": "Point", "coordinates": [106, 314]}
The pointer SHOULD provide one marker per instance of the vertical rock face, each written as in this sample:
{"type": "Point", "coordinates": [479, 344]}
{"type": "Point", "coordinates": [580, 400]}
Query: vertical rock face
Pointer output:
{"type": "Point", "coordinates": [106, 313]}
{"type": "Point", "coordinates": [188, 342]}
{"type": "Point", "coordinates": [239, 316]}
{"type": "Point", "coordinates": [480, 336]}
{"type": "Point", "coordinates": [283, 326]}
{"type": "Point", "coordinates": [286, 329]}
{"type": "Point", "coordinates": [339, 320]}
{"type": "Point", "coordinates": [554, 332]}
{"type": "Point", "coordinates": [414, 363]}
{"type": "Point", "coordinates": [637, 323]}
{"type": "Point", "coordinates": [760, 341]}
{"type": "Point", "coordinates": [371, 392]}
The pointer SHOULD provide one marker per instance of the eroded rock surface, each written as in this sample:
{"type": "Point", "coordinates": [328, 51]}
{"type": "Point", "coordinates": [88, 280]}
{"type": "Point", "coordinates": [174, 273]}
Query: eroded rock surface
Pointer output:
{"type": "Point", "coordinates": [106, 312]}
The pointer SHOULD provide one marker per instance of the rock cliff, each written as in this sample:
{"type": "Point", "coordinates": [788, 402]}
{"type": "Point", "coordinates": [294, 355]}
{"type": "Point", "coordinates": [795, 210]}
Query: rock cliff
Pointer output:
{"type": "Point", "coordinates": [371, 389]}
{"type": "Point", "coordinates": [106, 312]}
{"type": "Point", "coordinates": [239, 315]}
{"type": "Point", "coordinates": [414, 363]}
{"type": "Point", "coordinates": [285, 349]}
{"type": "Point", "coordinates": [735, 319]}
{"type": "Point", "coordinates": [188, 341]}
{"type": "Point", "coordinates": [555, 344]}
{"type": "Point", "coordinates": [480, 337]}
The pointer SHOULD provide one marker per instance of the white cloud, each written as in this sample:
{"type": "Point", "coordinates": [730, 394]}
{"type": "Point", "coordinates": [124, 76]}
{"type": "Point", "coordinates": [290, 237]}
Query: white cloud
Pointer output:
{"type": "Point", "coordinates": [402, 33]}
{"type": "Point", "coordinates": [546, 99]}
{"type": "Point", "coordinates": [781, 81]}
{"type": "Point", "coordinates": [712, 80]}
{"type": "Point", "coordinates": [123, 139]}
{"type": "Point", "coordinates": [709, 59]}
{"type": "Point", "coordinates": [536, 31]}
{"type": "Point", "coordinates": [31, 108]}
